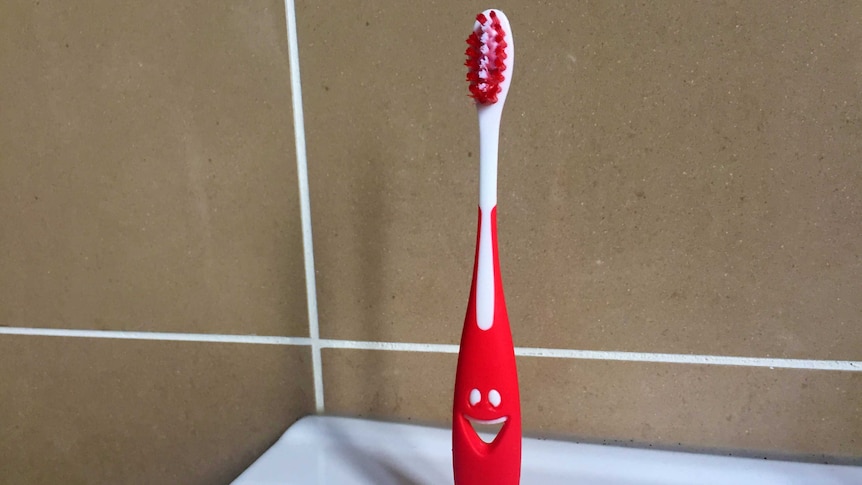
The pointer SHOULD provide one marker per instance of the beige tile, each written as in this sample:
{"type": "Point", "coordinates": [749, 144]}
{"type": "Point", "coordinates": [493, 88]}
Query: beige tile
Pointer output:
{"type": "Point", "coordinates": [81, 411]}
{"type": "Point", "coordinates": [706, 193]}
{"type": "Point", "coordinates": [147, 178]}
{"type": "Point", "coordinates": [804, 415]}
{"type": "Point", "coordinates": [673, 177]}
{"type": "Point", "coordinates": [393, 191]}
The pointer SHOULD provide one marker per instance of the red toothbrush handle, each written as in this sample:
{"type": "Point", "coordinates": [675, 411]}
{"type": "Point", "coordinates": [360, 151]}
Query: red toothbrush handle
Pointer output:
{"type": "Point", "coordinates": [486, 390]}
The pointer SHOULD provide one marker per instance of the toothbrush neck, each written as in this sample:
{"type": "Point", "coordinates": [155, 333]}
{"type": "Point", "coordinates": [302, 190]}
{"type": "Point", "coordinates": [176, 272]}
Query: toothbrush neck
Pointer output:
{"type": "Point", "coordinates": [489, 137]}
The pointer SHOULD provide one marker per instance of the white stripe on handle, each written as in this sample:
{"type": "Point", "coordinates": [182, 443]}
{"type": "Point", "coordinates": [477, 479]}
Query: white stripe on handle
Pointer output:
{"type": "Point", "coordinates": [485, 274]}
{"type": "Point", "coordinates": [489, 136]}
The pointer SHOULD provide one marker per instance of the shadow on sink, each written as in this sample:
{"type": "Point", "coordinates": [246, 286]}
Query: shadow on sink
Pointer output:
{"type": "Point", "coordinates": [382, 469]}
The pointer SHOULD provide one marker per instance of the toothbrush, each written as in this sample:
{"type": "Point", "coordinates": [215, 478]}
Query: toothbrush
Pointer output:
{"type": "Point", "coordinates": [486, 382]}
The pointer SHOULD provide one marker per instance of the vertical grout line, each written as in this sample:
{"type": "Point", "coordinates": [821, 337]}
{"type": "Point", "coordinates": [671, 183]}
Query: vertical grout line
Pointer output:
{"type": "Point", "coordinates": [304, 203]}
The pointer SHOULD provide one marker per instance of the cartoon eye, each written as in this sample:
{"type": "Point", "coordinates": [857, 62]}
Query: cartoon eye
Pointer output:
{"type": "Point", "coordinates": [475, 397]}
{"type": "Point", "coordinates": [494, 397]}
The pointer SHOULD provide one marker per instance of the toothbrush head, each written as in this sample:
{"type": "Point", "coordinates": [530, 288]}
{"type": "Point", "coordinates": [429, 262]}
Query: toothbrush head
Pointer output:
{"type": "Point", "coordinates": [490, 54]}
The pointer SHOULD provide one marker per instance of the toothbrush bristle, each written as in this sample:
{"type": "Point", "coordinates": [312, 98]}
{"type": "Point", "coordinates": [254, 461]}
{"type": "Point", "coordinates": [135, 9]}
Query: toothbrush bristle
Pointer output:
{"type": "Point", "coordinates": [486, 58]}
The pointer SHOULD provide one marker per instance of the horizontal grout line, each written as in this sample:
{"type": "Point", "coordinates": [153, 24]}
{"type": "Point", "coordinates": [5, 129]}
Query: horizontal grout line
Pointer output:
{"type": "Point", "coordinates": [809, 364]}
{"type": "Point", "coordinates": [163, 336]}
{"type": "Point", "coordinates": [396, 346]}
{"type": "Point", "coordinates": [772, 363]}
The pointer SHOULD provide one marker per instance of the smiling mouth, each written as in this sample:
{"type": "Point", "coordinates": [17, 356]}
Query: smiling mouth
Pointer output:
{"type": "Point", "coordinates": [487, 429]}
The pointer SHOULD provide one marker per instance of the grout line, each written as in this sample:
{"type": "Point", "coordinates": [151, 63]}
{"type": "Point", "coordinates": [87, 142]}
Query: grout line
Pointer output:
{"type": "Point", "coordinates": [392, 346]}
{"type": "Point", "coordinates": [304, 202]}
{"type": "Point", "coordinates": [156, 336]}
{"type": "Point", "coordinates": [772, 363]}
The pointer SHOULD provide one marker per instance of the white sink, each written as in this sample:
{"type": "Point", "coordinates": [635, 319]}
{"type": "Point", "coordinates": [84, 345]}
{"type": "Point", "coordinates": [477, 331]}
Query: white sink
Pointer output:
{"type": "Point", "coordinates": [343, 451]}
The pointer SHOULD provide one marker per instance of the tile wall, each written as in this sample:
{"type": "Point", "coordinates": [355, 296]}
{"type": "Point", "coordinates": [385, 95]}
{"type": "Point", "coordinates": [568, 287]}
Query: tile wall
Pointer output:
{"type": "Point", "coordinates": [678, 182]}
{"type": "Point", "coordinates": [147, 184]}
{"type": "Point", "coordinates": [675, 178]}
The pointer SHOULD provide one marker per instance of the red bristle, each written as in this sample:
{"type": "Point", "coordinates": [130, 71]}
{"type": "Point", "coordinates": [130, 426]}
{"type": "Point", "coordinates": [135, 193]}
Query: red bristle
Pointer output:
{"type": "Point", "coordinates": [484, 90]}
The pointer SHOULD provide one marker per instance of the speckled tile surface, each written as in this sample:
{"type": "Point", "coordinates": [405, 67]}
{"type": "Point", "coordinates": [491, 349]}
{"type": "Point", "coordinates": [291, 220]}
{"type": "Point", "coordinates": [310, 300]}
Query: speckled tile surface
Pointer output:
{"type": "Point", "coordinates": [792, 414]}
{"type": "Point", "coordinates": [673, 177]}
{"type": "Point", "coordinates": [106, 412]}
{"type": "Point", "coordinates": [147, 173]}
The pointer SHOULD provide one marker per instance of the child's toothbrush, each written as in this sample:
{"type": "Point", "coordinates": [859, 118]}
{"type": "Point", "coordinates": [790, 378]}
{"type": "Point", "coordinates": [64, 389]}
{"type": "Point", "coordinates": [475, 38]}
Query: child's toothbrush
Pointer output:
{"type": "Point", "coordinates": [486, 383]}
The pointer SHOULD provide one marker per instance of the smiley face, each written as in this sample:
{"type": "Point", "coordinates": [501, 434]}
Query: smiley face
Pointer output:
{"type": "Point", "coordinates": [484, 414]}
